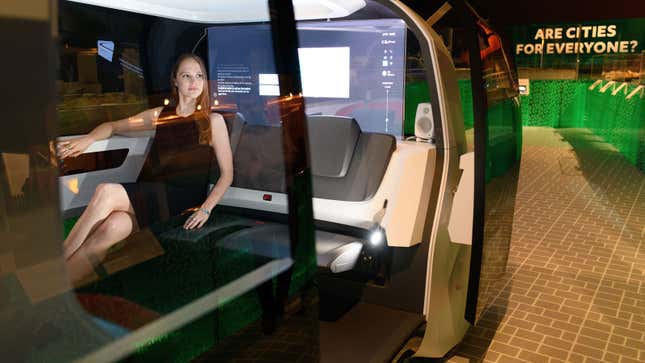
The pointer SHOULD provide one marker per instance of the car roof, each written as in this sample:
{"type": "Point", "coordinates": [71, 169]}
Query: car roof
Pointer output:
{"type": "Point", "coordinates": [229, 11]}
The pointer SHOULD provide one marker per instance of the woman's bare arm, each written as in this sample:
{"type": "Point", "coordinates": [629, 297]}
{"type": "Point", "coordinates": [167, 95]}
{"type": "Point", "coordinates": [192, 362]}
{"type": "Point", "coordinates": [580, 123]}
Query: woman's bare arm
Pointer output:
{"type": "Point", "coordinates": [222, 147]}
{"type": "Point", "coordinates": [142, 121]}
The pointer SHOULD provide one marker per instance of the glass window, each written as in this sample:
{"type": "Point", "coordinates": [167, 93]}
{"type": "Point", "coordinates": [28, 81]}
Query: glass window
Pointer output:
{"type": "Point", "coordinates": [172, 215]}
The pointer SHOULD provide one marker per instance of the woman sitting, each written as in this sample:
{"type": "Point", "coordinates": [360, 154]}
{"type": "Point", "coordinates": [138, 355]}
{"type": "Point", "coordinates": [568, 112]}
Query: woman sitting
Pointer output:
{"type": "Point", "coordinates": [175, 175]}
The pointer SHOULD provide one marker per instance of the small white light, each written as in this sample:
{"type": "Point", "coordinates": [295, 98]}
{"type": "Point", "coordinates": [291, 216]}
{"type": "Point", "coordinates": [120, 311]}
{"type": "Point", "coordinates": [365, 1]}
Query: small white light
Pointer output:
{"type": "Point", "coordinates": [376, 237]}
{"type": "Point", "coordinates": [199, 107]}
{"type": "Point", "coordinates": [216, 103]}
{"type": "Point", "coordinates": [166, 102]}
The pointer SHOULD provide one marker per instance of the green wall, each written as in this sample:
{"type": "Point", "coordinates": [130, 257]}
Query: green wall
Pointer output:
{"type": "Point", "coordinates": [568, 103]}
{"type": "Point", "coordinates": [562, 104]}
{"type": "Point", "coordinates": [555, 103]}
{"type": "Point", "coordinates": [619, 121]}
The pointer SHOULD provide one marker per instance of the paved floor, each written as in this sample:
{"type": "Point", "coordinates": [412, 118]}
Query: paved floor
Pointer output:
{"type": "Point", "coordinates": [575, 285]}
{"type": "Point", "coordinates": [574, 290]}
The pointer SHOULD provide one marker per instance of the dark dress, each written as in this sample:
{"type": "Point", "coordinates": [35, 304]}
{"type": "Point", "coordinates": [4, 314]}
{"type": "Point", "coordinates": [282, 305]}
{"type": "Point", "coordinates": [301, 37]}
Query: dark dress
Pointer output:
{"type": "Point", "coordinates": [175, 174]}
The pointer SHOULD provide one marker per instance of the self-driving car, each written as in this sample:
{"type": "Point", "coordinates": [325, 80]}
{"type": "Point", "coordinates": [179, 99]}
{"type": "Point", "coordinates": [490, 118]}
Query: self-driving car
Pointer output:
{"type": "Point", "coordinates": [375, 159]}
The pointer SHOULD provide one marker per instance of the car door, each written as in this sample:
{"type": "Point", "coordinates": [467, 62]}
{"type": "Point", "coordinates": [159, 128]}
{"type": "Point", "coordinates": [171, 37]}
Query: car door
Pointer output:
{"type": "Point", "coordinates": [490, 97]}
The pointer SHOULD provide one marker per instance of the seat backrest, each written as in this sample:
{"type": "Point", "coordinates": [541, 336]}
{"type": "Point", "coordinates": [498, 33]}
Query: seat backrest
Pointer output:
{"type": "Point", "coordinates": [235, 125]}
{"type": "Point", "coordinates": [332, 141]}
{"type": "Point", "coordinates": [346, 164]}
{"type": "Point", "coordinates": [258, 162]}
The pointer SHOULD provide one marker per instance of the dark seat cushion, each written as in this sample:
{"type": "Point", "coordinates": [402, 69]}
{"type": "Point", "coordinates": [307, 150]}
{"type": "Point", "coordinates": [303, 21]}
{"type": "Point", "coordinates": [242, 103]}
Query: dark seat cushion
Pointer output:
{"type": "Point", "coordinates": [258, 162]}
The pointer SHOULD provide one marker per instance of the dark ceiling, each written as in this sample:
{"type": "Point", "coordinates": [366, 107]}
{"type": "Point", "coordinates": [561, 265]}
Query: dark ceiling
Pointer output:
{"type": "Point", "coordinates": [516, 12]}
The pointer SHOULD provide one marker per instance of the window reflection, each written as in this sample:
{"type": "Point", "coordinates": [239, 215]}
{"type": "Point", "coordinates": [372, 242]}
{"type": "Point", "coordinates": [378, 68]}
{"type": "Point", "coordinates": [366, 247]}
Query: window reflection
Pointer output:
{"type": "Point", "coordinates": [146, 155]}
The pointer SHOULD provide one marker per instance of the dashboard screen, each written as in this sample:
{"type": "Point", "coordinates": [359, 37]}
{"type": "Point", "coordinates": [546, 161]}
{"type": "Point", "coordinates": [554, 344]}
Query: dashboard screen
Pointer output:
{"type": "Point", "coordinates": [352, 68]}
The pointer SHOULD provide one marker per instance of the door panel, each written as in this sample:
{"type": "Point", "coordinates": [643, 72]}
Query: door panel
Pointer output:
{"type": "Point", "coordinates": [497, 147]}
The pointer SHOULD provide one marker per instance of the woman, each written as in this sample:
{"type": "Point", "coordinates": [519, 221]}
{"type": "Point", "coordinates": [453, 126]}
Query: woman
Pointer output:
{"type": "Point", "coordinates": [175, 175]}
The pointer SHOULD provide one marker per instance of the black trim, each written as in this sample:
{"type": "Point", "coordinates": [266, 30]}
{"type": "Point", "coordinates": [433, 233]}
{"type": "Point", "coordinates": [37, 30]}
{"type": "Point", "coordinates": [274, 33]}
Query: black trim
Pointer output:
{"type": "Point", "coordinates": [295, 147]}
{"type": "Point", "coordinates": [94, 161]}
{"type": "Point", "coordinates": [480, 129]}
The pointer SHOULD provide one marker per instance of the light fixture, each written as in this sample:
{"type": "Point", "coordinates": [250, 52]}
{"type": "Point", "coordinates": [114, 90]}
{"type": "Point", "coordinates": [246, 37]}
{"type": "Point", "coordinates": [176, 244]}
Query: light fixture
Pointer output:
{"type": "Point", "coordinates": [377, 236]}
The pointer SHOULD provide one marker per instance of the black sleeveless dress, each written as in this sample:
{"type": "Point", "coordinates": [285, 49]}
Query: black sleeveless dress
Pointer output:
{"type": "Point", "coordinates": [175, 175]}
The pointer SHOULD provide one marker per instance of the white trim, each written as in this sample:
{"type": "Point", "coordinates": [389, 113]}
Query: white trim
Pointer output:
{"type": "Point", "coordinates": [462, 210]}
{"type": "Point", "coordinates": [420, 23]}
{"type": "Point", "coordinates": [606, 86]}
{"type": "Point", "coordinates": [76, 190]}
{"type": "Point", "coordinates": [593, 85]}
{"type": "Point", "coordinates": [635, 91]}
{"type": "Point", "coordinates": [615, 91]}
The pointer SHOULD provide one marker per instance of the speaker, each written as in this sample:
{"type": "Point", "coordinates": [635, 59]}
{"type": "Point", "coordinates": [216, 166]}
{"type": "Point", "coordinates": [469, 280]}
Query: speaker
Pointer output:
{"type": "Point", "coordinates": [423, 122]}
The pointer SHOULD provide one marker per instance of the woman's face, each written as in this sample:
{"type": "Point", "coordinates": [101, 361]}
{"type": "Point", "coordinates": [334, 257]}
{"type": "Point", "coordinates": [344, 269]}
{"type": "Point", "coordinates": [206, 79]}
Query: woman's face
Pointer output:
{"type": "Point", "coordinates": [190, 79]}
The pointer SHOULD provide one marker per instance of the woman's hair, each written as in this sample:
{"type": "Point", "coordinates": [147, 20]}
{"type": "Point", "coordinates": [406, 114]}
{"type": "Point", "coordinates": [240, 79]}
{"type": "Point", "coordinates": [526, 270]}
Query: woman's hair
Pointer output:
{"type": "Point", "coordinates": [203, 100]}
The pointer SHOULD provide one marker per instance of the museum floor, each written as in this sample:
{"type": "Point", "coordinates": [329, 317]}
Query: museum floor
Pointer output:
{"type": "Point", "coordinates": [575, 285]}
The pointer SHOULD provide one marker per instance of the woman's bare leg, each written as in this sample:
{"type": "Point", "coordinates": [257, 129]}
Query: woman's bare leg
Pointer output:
{"type": "Point", "coordinates": [108, 198]}
{"type": "Point", "coordinates": [116, 227]}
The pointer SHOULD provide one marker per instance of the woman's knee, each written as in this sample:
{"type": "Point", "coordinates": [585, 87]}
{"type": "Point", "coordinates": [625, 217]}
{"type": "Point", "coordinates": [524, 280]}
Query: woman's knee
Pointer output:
{"type": "Point", "coordinates": [117, 223]}
{"type": "Point", "coordinates": [111, 195]}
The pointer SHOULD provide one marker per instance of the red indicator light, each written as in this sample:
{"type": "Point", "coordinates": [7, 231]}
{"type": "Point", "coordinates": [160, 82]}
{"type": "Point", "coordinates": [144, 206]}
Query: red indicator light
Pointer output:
{"type": "Point", "coordinates": [267, 197]}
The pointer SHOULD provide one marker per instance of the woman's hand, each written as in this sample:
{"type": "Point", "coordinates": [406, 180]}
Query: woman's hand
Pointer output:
{"type": "Point", "coordinates": [75, 147]}
{"type": "Point", "coordinates": [197, 219]}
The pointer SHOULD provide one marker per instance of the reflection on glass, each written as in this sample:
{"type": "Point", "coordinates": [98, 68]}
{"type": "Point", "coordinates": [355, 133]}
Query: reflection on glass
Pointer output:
{"type": "Point", "coordinates": [503, 149]}
{"type": "Point", "coordinates": [151, 241]}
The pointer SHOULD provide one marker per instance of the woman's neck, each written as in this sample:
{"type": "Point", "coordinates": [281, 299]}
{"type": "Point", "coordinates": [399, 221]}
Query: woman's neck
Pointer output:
{"type": "Point", "coordinates": [186, 106]}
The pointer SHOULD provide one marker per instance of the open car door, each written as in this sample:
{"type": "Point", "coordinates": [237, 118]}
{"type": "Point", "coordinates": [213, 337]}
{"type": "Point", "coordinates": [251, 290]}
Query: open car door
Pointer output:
{"type": "Point", "coordinates": [497, 146]}
{"type": "Point", "coordinates": [488, 185]}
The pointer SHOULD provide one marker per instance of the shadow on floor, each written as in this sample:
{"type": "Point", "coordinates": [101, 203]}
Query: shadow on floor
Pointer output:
{"type": "Point", "coordinates": [594, 159]}
{"type": "Point", "coordinates": [475, 345]}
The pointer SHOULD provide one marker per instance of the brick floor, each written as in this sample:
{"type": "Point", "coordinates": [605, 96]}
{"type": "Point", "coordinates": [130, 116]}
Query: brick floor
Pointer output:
{"type": "Point", "coordinates": [574, 290]}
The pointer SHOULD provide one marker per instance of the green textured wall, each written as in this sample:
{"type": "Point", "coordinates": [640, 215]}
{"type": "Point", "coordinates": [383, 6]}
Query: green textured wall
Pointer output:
{"type": "Point", "coordinates": [573, 97]}
{"type": "Point", "coordinates": [567, 103]}
{"type": "Point", "coordinates": [619, 121]}
{"type": "Point", "coordinates": [503, 146]}
{"type": "Point", "coordinates": [570, 104]}
{"type": "Point", "coordinates": [554, 103]}
{"type": "Point", "coordinates": [466, 92]}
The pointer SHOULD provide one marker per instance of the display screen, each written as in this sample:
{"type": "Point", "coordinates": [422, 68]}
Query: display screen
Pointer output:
{"type": "Point", "coordinates": [353, 68]}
